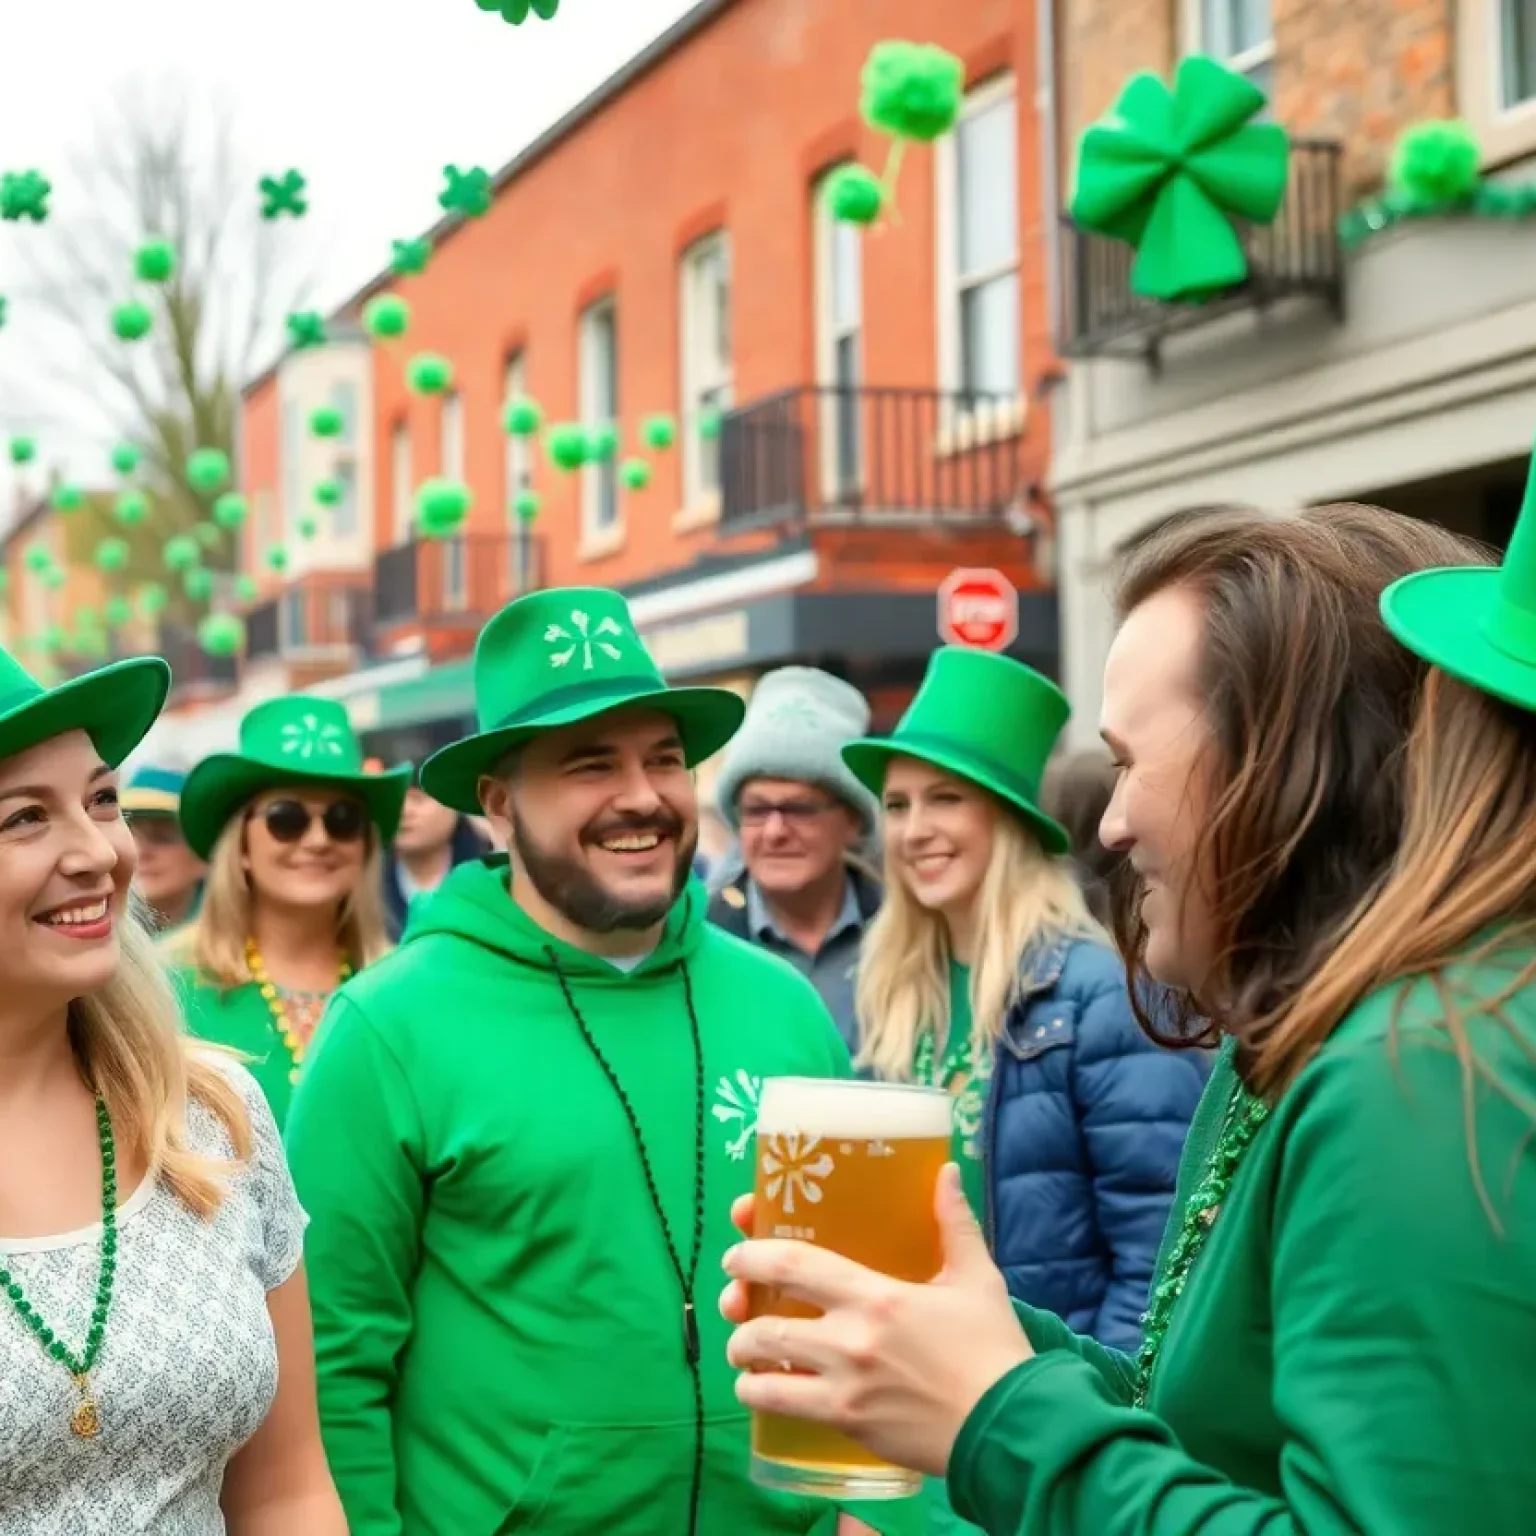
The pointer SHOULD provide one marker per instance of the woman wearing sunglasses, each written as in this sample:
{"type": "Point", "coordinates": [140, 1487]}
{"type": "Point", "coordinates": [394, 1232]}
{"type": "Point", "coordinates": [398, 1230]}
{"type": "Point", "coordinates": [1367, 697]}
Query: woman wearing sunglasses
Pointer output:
{"type": "Point", "coordinates": [292, 827]}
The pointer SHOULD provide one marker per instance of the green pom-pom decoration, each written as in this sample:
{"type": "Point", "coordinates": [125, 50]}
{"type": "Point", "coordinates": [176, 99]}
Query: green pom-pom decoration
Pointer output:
{"type": "Point", "coordinates": [635, 473]}
{"type": "Point", "coordinates": [38, 558]}
{"type": "Point", "coordinates": [327, 421]}
{"type": "Point", "coordinates": [208, 535]}
{"type": "Point", "coordinates": [198, 584]}
{"type": "Point", "coordinates": [54, 578]}
{"type": "Point", "coordinates": [429, 374]}
{"type": "Point", "coordinates": [329, 493]}
{"type": "Point", "coordinates": [277, 559]}
{"type": "Point", "coordinates": [602, 443]}
{"type": "Point", "coordinates": [410, 257]}
{"type": "Point", "coordinates": [441, 507]}
{"type": "Point", "coordinates": [855, 194]}
{"type": "Point", "coordinates": [221, 634]}
{"type": "Point", "coordinates": [153, 598]}
{"type": "Point", "coordinates": [517, 11]}
{"type": "Point", "coordinates": [523, 417]}
{"type": "Point", "coordinates": [207, 470]}
{"type": "Point", "coordinates": [23, 450]}
{"type": "Point", "coordinates": [911, 90]}
{"type": "Point", "coordinates": [125, 458]}
{"type": "Point", "coordinates": [526, 506]}
{"type": "Point", "coordinates": [67, 498]}
{"type": "Point", "coordinates": [155, 261]}
{"type": "Point", "coordinates": [112, 555]}
{"type": "Point", "coordinates": [131, 509]}
{"type": "Point", "coordinates": [308, 527]}
{"type": "Point", "coordinates": [119, 611]}
{"type": "Point", "coordinates": [306, 330]}
{"type": "Point", "coordinates": [466, 192]}
{"type": "Point", "coordinates": [132, 321]}
{"type": "Point", "coordinates": [1436, 165]}
{"type": "Point", "coordinates": [567, 445]}
{"type": "Point", "coordinates": [658, 433]}
{"type": "Point", "coordinates": [387, 317]}
{"type": "Point", "coordinates": [709, 425]}
{"type": "Point", "coordinates": [230, 510]}
{"type": "Point", "coordinates": [181, 553]}
{"type": "Point", "coordinates": [246, 588]}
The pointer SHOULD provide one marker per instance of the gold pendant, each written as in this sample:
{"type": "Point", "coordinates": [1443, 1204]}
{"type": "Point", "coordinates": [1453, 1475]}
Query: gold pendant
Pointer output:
{"type": "Point", "coordinates": [86, 1419]}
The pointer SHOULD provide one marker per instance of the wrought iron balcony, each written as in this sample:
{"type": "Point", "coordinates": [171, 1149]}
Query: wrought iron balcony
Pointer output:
{"type": "Point", "coordinates": [461, 581]}
{"type": "Point", "coordinates": [1298, 254]}
{"type": "Point", "coordinates": [843, 454]}
{"type": "Point", "coordinates": [319, 616]}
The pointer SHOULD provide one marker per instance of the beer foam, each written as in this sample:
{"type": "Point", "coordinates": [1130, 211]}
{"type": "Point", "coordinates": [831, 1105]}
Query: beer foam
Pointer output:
{"type": "Point", "coordinates": [820, 1106]}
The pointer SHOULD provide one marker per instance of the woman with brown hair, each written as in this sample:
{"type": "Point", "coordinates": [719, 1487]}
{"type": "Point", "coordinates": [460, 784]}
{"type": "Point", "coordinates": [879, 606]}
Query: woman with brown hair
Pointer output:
{"type": "Point", "coordinates": [1342, 879]}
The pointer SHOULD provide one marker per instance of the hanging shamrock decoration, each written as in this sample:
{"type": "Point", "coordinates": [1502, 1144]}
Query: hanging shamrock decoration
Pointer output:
{"type": "Point", "coordinates": [181, 553]}
{"type": "Point", "coordinates": [153, 598]}
{"type": "Point", "coordinates": [635, 473]}
{"type": "Point", "coordinates": [517, 11]}
{"type": "Point", "coordinates": [855, 194]}
{"type": "Point", "coordinates": [207, 470]}
{"type": "Point", "coordinates": [245, 588]}
{"type": "Point", "coordinates": [54, 579]}
{"type": "Point", "coordinates": [283, 195]}
{"type": "Point", "coordinates": [112, 556]}
{"type": "Point", "coordinates": [230, 510]}
{"type": "Point", "coordinates": [442, 507]}
{"type": "Point", "coordinates": [566, 445]}
{"type": "Point", "coordinates": [198, 584]}
{"type": "Point", "coordinates": [306, 329]}
{"type": "Point", "coordinates": [466, 192]}
{"type": "Point", "coordinates": [37, 559]}
{"type": "Point", "coordinates": [125, 458]}
{"type": "Point", "coordinates": [410, 257]}
{"type": "Point", "coordinates": [658, 432]}
{"type": "Point", "coordinates": [1170, 172]}
{"type": "Point", "coordinates": [308, 527]}
{"type": "Point", "coordinates": [24, 195]}
{"type": "Point", "coordinates": [526, 505]}
{"type": "Point", "coordinates": [132, 321]}
{"type": "Point", "coordinates": [155, 261]}
{"type": "Point", "coordinates": [208, 535]}
{"type": "Point", "coordinates": [221, 634]}
{"type": "Point", "coordinates": [329, 493]}
{"type": "Point", "coordinates": [119, 611]}
{"type": "Point", "coordinates": [429, 374]}
{"type": "Point", "coordinates": [1435, 165]}
{"type": "Point", "coordinates": [67, 498]}
{"type": "Point", "coordinates": [387, 317]}
{"type": "Point", "coordinates": [327, 421]}
{"type": "Point", "coordinates": [23, 450]}
{"type": "Point", "coordinates": [277, 559]}
{"type": "Point", "coordinates": [131, 509]}
{"type": "Point", "coordinates": [523, 417]}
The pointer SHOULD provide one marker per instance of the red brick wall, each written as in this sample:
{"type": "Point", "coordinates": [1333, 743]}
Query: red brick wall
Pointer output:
{"type": "Point", "coordinates": [260, 471]}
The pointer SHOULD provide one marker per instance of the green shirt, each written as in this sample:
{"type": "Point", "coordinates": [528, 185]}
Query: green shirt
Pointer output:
{"type": "Point", "coordinates": [1352, 1353]}
{"type": "Point", "coordinates": [238, 1017]}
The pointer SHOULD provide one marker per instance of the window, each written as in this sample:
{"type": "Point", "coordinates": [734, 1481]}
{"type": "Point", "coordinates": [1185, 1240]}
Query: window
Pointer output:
{"type": "Point", "coordinates": [266, 533]}
{"type": "Point", "coordinates": [451, 462]}
{"type": "Point", "coordinates": [344, 400]}
{"type": "Point", "coordinates": [293, 453]}
{"type": "Point", "coordinates": [1241, 32]}
{"type": "Point", "coordinates": [400, 480]}
{"type": "Point", "coordinates": [979, 252]}
{"type": "Point", "coordinates": [839, 331]}
{"type": "Point", "coordinates": [598, 366]}
{"type": "Point", "coordinates": [344, 517]}
{"type": "Point", "coordinates": [1517, 52]}
{"type": "Point", "coordinates": [705, 306]}
{"type": "Point", "coordinates": [292, 614]}
{"type": "Point", "coordinates": [519, 474]}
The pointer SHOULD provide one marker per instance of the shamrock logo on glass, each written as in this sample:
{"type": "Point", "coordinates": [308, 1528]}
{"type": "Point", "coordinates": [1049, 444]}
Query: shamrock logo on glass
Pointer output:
{"type": "Point", "coordinates": [792, 1164]}
{"type": "Point", "coordinates": [1169, 172]}
{"type": "Point", "coordinates": [308, 737]}
{"type": "Point", "coordinates": [582, 638]}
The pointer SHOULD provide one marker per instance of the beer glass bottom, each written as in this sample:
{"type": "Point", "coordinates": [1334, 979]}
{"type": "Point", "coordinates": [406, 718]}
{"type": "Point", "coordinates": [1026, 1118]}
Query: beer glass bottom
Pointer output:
{"type": "Point", "coordinates": [878, 1482]}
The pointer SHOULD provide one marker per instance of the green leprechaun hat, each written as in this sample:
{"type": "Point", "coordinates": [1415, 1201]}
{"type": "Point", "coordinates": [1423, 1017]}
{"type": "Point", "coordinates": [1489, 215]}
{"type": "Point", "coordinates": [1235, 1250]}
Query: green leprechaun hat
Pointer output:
{"type": "Point", "coordinates": [296, 739]}
{"type": "Point", "coordinates": [114, 705]}
{"type": "Point", "coordinates": [556, 658]}
{"type": "Point", "coordinates": [985, 718]}
{"type": "Point", "coordinates": [1476, 622]}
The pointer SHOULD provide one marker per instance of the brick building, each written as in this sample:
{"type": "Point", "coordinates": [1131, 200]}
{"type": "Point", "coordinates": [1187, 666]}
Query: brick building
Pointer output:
{"type": "Point", "coordinates": [1399, 370]}
{"type": "Point", "coordinates": [665, 249]}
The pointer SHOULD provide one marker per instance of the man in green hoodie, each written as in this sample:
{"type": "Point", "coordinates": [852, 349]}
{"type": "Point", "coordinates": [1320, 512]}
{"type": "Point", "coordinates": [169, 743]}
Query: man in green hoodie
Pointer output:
{"type": "Point", "coordinates": [519, 1136]}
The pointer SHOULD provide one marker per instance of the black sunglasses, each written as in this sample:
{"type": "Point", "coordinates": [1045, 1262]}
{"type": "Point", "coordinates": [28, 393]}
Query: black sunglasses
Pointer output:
{"type": "Point", "coordinates": [288, 820]}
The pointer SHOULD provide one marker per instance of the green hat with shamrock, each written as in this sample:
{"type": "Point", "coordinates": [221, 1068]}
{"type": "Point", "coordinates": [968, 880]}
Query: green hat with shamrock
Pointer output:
{"type": "Point", "coordinates": [558, 657]}
{"type": "Point", "coordinates": [296, 739]}
{"type": "Point", "coordinates": [114, 705]}
{"type": "Point", "coordinates": [1477, 622]}
{"type": "Point", "coordinates": [985, 718]}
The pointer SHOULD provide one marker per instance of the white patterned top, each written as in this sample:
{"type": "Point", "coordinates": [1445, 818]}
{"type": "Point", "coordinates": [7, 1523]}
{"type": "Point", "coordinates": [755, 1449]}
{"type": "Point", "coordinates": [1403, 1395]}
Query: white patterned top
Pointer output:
{"type": "Point", "coordinates": [188, 1370]}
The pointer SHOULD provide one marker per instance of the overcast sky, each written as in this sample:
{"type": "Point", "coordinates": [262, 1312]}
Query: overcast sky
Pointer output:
{"type": "Point", "coordinates": [370, 98]}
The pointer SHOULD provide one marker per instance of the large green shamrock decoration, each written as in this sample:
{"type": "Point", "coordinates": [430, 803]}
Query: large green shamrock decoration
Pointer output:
{"type": "Point", "coordinates": [24, 195]}
{"type": "Point", "coordinates": [284, 194]}
{"type": "Point", "coordinates": [306, 329]}
{"type": "Point", "coordinates": [410, 257]}
{"type": "Point", "coordinates": [1168, 172]}
{"type": "Point", "coordinates": [467, 192]}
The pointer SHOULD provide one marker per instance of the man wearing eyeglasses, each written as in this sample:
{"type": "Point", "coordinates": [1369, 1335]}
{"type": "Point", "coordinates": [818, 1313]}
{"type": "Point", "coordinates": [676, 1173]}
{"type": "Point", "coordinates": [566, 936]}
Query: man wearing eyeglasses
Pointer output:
{"type": "Point", "coordinates": [170, 875]}
{"type": "Point", "coordinates": [807, 889]}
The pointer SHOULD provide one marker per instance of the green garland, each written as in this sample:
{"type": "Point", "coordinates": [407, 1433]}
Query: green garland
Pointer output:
{"type": "Point", "coordinates": [1487, 201]}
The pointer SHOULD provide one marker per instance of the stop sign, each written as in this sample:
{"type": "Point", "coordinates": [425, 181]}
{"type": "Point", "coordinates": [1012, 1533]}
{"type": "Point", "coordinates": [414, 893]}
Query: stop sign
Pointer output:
{"type": "Point", "coordinates": [979, 608]}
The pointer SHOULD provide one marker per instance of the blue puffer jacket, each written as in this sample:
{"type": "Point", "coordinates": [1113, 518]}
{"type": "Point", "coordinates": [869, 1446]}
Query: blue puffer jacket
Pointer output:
{"type": "Point", "coordinates": [1084, 1123]}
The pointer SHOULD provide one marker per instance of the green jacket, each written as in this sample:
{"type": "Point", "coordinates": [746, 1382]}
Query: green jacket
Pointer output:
{"type": "Point", "coordinates": [1352, 1355]}
{"type": "Point", "coordinates": [498, 1325]}
{"type": "Point", "coordinates": [239, 1018]}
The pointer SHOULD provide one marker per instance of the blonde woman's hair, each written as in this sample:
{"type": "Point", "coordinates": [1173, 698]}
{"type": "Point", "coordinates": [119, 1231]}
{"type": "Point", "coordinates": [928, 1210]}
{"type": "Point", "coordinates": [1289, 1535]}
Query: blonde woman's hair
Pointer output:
{"type": "Point", "coordinates": [128, 1039]}
{"type": "Point", "coordinates": [1025, 897]}
{"type": "Point", "coordinates": [213, 943]}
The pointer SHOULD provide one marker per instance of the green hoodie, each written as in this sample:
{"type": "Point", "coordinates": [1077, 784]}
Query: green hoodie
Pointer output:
{"type": "Point", "coordinates": [499, 1327]}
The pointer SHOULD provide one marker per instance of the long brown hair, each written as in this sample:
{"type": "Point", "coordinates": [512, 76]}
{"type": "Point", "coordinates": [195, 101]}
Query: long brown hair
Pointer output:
{"type": "Point", "coordinates": [1310, 703]}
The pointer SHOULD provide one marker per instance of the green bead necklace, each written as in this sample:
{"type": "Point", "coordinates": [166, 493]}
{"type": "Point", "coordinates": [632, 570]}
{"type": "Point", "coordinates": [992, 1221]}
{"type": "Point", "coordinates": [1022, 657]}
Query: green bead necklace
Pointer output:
{"type": "Point", "coordinates": [1245, 1114]}
{"type": "Point", "coordinates": [86, 1418]}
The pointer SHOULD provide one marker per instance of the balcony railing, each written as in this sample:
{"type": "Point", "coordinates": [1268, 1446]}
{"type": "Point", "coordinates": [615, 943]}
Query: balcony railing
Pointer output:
{"type": "Point", "coordinates": [192, 668]}
{"type": "Point", "coordinates": [842, 454]}
{"type": "Point", "coordinates": [1298, 254]}
{"type": "Point", "coordinates": [460, 581]}
{"type": "Point", "coordinates": [317, 617]}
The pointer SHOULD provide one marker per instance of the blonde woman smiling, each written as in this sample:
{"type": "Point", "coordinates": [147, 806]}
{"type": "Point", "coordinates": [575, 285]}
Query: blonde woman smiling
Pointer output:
{"type": "Point", "coordinates": [156, 1368]}
{"type": "Point", "coordinates": [292, 827]}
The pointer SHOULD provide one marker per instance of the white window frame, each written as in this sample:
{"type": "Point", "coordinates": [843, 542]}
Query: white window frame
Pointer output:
{"type": "Point", "coordinates": [830, 334]}
{"type": "Point", "coordinates": [344, 399]}
{"type": "Point", "coordinates": [402, 492]}
{"type": "Point", "coordinates": [1506, 133]}
{"type": "Point", "coordinates": [599, 482]}
{"type": "Point", "coordinates": [1246, 61]}
{"type": "Point", "coordinates": [707, 371]}
{"type": "Point", "coordinates": [344, 517]}
{"type": "Point", "coordinates": [452, 454]}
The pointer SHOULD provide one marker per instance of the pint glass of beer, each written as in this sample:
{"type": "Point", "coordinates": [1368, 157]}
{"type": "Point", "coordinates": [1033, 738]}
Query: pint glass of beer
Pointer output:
{"type": "Point", "coordinates": [853, 1167]}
